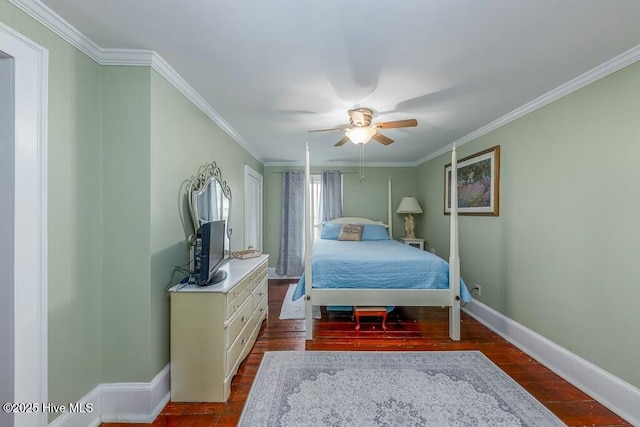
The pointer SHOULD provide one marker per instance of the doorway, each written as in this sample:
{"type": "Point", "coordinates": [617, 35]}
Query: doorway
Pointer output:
{"type": "Point", "coordinates": [23, 248]}
{"type": "Point", "coordinates": [7, 209]}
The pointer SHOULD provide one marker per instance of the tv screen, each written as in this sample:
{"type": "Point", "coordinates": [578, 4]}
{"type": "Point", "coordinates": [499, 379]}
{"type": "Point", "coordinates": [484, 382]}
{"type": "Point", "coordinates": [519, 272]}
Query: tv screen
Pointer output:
{"type": "Point", "coordinates": [209, 253]}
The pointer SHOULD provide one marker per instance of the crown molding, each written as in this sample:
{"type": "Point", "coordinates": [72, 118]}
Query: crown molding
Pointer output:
{"type": "Point", "coordinates": [133, 57]}
{"type": "Point", "coordinates": [127, 57]}
{"type": "Point", "coordinates": [343, 164]}
{"type": "Point", "coordinates": [47, 17]}
{"type": "Point", "coordinates": [165, 70]}
{"type": "Point", "coordinates": [603, 70]}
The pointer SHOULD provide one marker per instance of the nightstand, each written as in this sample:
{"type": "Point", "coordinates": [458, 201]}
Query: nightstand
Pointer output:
{"type": "Point", "coordinates": [415, 242]}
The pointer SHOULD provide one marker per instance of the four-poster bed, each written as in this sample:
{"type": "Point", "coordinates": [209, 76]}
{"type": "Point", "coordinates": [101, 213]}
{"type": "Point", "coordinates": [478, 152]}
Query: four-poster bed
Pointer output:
{"type": "Point", "coordinates": [447, 297]}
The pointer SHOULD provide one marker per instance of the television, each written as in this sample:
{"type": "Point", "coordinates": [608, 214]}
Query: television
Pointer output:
{"type": "Point", "coordinates": [209, 253]}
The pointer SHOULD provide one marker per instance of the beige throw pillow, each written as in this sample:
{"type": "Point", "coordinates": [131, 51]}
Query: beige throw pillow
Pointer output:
{"type": "Point", "coordinates": [351, 232]}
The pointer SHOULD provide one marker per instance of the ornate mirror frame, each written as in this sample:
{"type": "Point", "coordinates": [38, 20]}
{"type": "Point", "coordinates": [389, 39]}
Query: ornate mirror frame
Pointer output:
{"type": "Point", "coordinates": [199, 186]}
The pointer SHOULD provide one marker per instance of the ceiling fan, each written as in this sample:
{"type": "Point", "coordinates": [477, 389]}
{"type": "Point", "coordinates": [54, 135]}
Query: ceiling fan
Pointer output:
{"type": "Point", "coordinates": [362, 130]}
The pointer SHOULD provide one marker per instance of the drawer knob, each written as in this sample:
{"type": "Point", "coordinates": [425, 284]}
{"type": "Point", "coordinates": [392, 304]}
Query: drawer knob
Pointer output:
{"type": "Point", "coordinates": [261, 294]}
{"type": "Point", "coordinates": [235, 294]}
{"type": "Point", "coordinates": [235, 307]}
{"type": "Point", "coordinates": [244, 319]}
{"type": "Point", "coordinates": [245, 340]}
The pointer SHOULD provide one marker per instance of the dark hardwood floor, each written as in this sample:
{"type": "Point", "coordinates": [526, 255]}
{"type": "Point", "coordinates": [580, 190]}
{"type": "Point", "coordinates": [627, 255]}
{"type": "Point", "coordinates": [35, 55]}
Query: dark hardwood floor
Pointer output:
{"type": "Point", "coordinates": [408, 329]}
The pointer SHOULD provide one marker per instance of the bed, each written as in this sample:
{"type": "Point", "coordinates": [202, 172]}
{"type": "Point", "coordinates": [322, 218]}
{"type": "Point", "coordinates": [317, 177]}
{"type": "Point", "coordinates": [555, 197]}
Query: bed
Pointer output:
{"type": "Point", "coordinates": [379, 272]}
{"type": "Point", "coordinates": [376, 263]}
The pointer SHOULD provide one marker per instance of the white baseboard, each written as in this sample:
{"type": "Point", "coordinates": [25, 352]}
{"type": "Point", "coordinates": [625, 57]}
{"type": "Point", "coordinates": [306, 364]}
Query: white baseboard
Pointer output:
{"type": "Point", "coordinates": [273, 275]}
{"type": "Point", "coordinates": [121, 402]}
{"type": "Point", "coordinates": [613, 392]}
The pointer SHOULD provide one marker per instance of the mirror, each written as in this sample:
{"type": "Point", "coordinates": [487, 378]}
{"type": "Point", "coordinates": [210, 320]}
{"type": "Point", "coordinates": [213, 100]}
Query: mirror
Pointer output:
{"type": "Point", "coordinates": [210, 199]}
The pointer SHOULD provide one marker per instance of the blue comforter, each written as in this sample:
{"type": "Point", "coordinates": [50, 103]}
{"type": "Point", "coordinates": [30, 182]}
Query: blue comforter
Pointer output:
{"type": "Point", "coordinates": [383, 264]}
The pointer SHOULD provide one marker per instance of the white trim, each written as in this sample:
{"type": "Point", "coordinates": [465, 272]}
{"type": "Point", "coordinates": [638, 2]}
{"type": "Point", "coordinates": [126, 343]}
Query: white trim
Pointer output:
{"type": "Point", "coordinates": [252, 174]}
{"type": "Point", "coordinates": [138, 57]}
{"type": "Point", "coordinates": [294, 164]}
{"type": "Point", "coordinates": [136, 402]}
{"type": "Point", "coordinates": [47, 17]}
{"type": "Point", "coordinates": [273, 275]}
{"type": "Point", "coordinates": [30, 265]}
{"type": "Point", "coordinates": [128, 57]}
{"type": "Point", "coordinates": [603, 70]}
{"type": "Point", "coordinates": [122, 402]}
{"type": "Point", "coordinates": [614, 393]}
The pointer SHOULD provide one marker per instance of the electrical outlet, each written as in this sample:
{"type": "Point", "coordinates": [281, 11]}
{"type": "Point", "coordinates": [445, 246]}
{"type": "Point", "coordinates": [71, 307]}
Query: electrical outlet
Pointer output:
{"type": "Point", "coordinates": [478, 289]}
{"type": "Point", "coordinates": [433, 250]}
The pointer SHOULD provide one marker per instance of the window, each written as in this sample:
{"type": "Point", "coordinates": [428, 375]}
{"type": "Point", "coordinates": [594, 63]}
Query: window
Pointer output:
{"type": "Point", "coordinates": [316, 203]}
{"type": "Point", "coordinates": [316, 191]}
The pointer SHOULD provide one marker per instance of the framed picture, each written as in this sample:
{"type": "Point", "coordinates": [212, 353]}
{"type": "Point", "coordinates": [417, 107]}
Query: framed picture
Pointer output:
{"type": "Point", "coordinates": [478, 181]}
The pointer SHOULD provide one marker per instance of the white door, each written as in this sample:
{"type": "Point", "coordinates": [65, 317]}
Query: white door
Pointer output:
{"type": "Point", "coordinates": [252, 208]}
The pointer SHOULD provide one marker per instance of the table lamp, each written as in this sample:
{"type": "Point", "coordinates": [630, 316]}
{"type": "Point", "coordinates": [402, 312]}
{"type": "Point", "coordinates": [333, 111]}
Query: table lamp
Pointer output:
{"type": "Point", "coordinates": [409, 205]}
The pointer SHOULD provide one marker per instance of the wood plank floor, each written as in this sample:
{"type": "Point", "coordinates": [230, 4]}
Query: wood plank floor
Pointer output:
{"type": "Point", "coordinates": [409, 329]}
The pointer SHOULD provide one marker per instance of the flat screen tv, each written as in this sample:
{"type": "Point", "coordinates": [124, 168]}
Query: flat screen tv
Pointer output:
{"type": "Point", "coordinates": [209, 253]}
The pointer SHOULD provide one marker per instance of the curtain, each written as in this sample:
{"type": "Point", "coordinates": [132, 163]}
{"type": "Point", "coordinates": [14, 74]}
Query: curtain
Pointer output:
{"type": "Point", "coordinates": [331, 197]}
{"type": "Point", "coordinates": [290, 256]}
{"type": "Point", "coordinates": [207, 203]}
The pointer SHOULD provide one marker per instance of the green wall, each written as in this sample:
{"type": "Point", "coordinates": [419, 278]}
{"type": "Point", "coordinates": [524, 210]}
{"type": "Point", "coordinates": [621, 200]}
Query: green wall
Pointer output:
{"type": "Point", "coordinates": [366, 198]}
{"type": "Point", "coordinates": [560, 259]}
{"type": "Point", "coordinates": [126, 179]}
{"type": "Point", "coordinates": [74, 185]}
{"type": "Point", "coordinates": [122, 142]}
{"type": "Point", "coordinates": [182, 139]}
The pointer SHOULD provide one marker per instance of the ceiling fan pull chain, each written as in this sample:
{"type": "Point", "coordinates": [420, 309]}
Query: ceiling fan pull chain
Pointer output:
{"type": "Point", "coordinates": [361, 162]}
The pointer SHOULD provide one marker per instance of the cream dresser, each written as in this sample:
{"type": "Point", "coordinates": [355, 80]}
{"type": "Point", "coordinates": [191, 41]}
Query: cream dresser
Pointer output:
{"type": "Point", "coordinates": [214, 328]}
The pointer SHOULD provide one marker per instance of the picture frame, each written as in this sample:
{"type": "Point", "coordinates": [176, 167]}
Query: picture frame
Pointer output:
{"type": "Point", "coordinates": [478, 179]}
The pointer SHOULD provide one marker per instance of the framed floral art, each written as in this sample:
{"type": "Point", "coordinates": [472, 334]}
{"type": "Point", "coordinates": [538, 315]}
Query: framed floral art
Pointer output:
{"type": "Point", "coordinates": [478, 181]}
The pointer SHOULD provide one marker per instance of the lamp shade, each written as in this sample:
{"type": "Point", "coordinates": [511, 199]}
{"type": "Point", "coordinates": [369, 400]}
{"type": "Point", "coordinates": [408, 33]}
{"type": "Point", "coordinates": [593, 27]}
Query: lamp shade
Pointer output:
{"type": "Point", "coordinates": [409, 205]}
{"type": "Point", "coordinates": [360, 135]}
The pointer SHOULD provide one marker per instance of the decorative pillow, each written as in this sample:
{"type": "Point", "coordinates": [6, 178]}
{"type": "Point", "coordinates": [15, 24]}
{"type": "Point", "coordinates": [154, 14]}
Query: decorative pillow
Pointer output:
{"type": "Point", "coordinates": [351, 232]}
{"type": "Point", "coordinates": [375, 232]}
{"type": "Point", "coordinates": [330, 230]}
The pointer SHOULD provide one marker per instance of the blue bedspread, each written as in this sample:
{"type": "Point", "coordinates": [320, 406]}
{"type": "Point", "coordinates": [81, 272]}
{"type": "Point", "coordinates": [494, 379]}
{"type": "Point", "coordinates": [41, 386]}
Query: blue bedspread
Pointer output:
{"type": "Point", "coordinates": [382, 264]}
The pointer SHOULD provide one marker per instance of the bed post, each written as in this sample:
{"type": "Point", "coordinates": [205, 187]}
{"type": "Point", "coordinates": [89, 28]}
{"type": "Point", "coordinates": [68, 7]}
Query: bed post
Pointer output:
{"type": "Point", "coordinates": [390, 213]}
{"type": "Point", "coordinates": [308, 240]}
{"type": "Point", "coordinates": [454, 260]}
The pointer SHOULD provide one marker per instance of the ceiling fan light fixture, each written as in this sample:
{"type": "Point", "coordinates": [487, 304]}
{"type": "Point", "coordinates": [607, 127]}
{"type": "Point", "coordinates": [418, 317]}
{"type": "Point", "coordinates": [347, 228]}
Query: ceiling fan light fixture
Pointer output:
{"type": "Point", "coordinates": [360, 135]}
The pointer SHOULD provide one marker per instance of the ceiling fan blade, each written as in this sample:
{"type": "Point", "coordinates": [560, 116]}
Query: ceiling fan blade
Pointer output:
{"type": "Point", "coordinates": [341, 142]}
{"type": "Point", "coordinates": [382, 139]}
{"type": "Point", "coordinates": [397, 124]}
{"type": "Point", "coordinates": [326, 130]}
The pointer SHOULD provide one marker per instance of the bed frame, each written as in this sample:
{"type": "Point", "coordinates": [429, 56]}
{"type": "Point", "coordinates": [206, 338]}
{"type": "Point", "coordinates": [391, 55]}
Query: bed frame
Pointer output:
{"type": "Point", "coordinates": [383, 297]}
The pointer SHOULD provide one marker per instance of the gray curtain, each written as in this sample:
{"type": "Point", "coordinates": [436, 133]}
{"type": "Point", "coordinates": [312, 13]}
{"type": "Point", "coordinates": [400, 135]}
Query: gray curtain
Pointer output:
{"type": "Point", "coordinates": [290, 259]}
{"type": "Point", "coordinates": [331, 197]}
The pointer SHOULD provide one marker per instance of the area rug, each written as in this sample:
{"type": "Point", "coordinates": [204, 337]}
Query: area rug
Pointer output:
{"type": "Point", "coordinates": [295, 309]}
{"type": "Point", "coordinates": [457, 388]}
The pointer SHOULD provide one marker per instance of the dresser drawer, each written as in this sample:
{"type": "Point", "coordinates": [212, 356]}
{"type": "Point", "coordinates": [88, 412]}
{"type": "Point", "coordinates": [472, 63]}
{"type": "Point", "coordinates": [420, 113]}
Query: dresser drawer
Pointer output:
{"type": "Point", "coordinates": [261, 309]}
{"type": "Point", "coordinates": [236, 349]}
{"type": "Point", "coordinates": [260, 292]}
{"type": "Point", "coordinates": [237, 295]}
{"type": "Point", "coordinates": [238, 322]}
{"type": "Point", "coordinates": [258, 276]}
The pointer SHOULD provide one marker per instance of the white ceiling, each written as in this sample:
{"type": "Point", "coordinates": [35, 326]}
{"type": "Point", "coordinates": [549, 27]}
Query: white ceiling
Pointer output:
{"type": "Point", "coordinates": [275, 69]}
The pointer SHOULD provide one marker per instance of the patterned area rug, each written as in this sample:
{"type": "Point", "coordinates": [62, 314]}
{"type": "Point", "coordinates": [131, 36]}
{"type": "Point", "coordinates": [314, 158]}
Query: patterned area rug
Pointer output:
{"type": "Point", "coordinates": [295, 309]}
{"type": "Point", "coordinates": [452, 388]}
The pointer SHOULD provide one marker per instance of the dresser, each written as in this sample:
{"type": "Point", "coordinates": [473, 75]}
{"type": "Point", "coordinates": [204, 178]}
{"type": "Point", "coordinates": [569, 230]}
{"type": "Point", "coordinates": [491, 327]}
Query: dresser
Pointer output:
{"type": "Point", "coordinates": [213, 328]}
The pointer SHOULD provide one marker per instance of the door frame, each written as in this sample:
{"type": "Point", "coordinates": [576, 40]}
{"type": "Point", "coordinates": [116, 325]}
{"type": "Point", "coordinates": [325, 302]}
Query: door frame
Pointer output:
{"type": "Point", "coordinates": [252, 174]}
{"type": "Point", "coordinates": [31, 62]}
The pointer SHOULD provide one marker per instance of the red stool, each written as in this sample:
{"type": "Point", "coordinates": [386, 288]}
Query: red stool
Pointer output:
{"type": "Point", "coordinates": [370, 312]}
